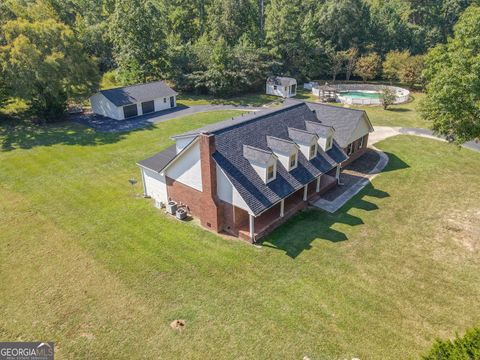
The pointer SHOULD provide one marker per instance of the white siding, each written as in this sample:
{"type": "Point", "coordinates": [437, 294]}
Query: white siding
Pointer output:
{"type": "Point", "coordinates": [227, 192]}
{"type": "Point", "coordinates": [102, 106]}
{"type": "Point", "coordinates": [283, 91]}
{"type": "Point", "coordinates": [322, 140]}
{"type": "Point", "coordinates": [155, 185]}
{"type": "Point", "coordinates": [362, 129]}
{"type": "Point", "coordinates": [181, 143]}
{"type": "Point", "coordinates": [187, 169]}
{"type": "Point", "coordinates": [261, 169]}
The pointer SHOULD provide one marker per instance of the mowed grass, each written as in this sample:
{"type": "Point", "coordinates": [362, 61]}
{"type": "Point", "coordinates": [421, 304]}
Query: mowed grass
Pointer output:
{"type": "Point", "coordinates": [403, 115]}
{"type": "Point", "coordinates": [86, 264]}
{"type": "Point", "coordinates": [253, 99]}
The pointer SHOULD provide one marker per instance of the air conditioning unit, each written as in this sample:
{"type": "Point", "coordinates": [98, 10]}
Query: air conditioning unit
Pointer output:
{"type": "Point", "coordinates": [172, 207]}
{"type": "Point", "coordinates": [181, 214]}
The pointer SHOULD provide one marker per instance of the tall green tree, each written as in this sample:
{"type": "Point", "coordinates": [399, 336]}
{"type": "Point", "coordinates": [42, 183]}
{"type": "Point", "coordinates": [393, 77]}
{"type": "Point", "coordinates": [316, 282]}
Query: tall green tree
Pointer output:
{"type": "Point", "coordinates": [452, 73]}
{"type": "Point", "coordinates": [44, 63]}
{"type": "Point", "coordinates": [137, 33]}
{"type": "Point", "coordinates": [368, 66]}
{"type": "Point", "coordinates": [233, 19]}
{"type": "Point", "coordinates": [393, 63]}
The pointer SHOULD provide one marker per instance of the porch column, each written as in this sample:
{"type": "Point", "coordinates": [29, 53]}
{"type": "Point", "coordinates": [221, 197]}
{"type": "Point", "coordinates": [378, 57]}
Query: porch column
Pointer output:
{"type": "Point", "coordinates": [337, 175]}
{"type": "Point", "coordinates": [305, 193]}
{"type": "Point", "coordinates": [143, 182]}
{"type": "Point", "coordinates": [318, 183]}
{"type": "Point", "coordinates": [251, 221]}
{"type": "Point", "coordinates": [282, 208]}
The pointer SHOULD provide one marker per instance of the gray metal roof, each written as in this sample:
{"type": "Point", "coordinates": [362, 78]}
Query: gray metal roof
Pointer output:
{"type": "Point", "coordinates": [158, 161]}
{"type": "Point", "coordinates": [138, 93]}
{"type": "Point", "coordinates": [281, 145]}
{"type": "Point", "coordinates": [344, 120]}
{"type": "Point", "coordinates": [257, 155]}
{"type": "Point", "coordinates": [281, 80]}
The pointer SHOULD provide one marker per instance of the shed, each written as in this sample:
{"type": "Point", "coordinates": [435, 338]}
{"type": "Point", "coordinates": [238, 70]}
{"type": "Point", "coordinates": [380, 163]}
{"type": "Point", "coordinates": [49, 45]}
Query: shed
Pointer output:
{"type": "Point", "coordinates": [130, 101]}
{"type": "Point", "coordinates": [281, 86]}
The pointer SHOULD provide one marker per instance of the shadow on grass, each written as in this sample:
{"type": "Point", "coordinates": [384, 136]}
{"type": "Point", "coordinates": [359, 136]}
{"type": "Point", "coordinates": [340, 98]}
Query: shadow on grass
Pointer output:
{"type": "Point", "coordinates": [399, 110]}
{"type": "Point", "coordinates": [297, 234]}
{"type": "Point", "coordinates": [25, 135]}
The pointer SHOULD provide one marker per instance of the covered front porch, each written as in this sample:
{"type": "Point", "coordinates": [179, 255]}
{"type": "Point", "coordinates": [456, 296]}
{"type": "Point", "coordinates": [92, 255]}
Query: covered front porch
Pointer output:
{"type": "Point", "coordinates": [260, 225]}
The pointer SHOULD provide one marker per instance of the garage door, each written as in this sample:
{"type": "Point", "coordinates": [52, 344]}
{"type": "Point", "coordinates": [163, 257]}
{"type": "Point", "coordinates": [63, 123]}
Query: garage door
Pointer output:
{"type": "Point", "coordinates": [130, 111]}
{"type": "Point", "coordinates": [148, 107]}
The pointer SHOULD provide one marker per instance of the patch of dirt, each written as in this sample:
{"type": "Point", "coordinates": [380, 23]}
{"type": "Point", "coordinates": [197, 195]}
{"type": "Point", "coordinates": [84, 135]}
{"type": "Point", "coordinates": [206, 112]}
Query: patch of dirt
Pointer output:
{"type": "Point", "coordinates": [464, 228]}
{"type": "Point", "coordinates": [178, 324]}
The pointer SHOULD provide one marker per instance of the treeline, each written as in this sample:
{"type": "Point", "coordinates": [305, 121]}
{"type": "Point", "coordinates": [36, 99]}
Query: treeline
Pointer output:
{"type": "Point", "coordinates": [223, 47]}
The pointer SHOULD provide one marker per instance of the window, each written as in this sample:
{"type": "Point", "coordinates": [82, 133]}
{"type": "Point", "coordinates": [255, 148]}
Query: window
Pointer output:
{"type": "Point", "coordinates": [270, 173]}
{"type": "Point", "coordinates": [293, 161]}
{"type": "Point", "coordinates": [274, 87]}
{"type": "Point", "coordinates": [360, 143]}
{"type": "Point", "coordinates": [313, 151]}
{"type": "Point", "coordinates": [350, 149]}
{"type": "Point", "coordinates": [164, 100]}
{"type": "Point", "coordinates": [328, 145]}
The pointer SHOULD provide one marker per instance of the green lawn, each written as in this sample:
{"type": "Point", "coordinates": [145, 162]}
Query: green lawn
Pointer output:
{"type": "Point", "coordinates": [85, 263]}
{"type": "Point", "coordinates": [404, 115]}
{"type": "Point", "coordinates": [254, 99]}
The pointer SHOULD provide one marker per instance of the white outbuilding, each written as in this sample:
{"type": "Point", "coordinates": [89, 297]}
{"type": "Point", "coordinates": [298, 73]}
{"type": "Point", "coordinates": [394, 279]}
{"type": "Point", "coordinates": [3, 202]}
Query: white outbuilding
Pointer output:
{"type": "Point", "coordinates": [130, 101]}
{"type": "Point", "coordinates": [281, 86]}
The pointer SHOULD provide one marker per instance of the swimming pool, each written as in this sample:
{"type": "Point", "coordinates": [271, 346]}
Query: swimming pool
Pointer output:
{"type": "Point", "coordinates": [361, 94]}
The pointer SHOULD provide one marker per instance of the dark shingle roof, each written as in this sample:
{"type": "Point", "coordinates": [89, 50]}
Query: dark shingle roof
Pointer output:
{"type": "Point", "coordinates": [301, 136]}
{"type": "Point", "coordinates": [230, 141]}
{"type": "Point", "coordinates": [158, 161]}
{"type": "Point", "coordinates": [343, 120]}
{"type": "Point", "coordinates": [257, 155]}
{"type": "Point", "coordinates": [281, 145]}
{"type": "Point", "coordinates": [317, 128]}
{"type": "Point", "coordinates": [281, 80]}
{"type": "Point", "coordinates": [138, 93]}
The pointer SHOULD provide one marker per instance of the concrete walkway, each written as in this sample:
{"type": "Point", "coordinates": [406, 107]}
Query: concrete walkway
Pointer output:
{"type": "Point", "coordinates": [380, 133]}
{"type": "Point", "coordinates": [104, 124]}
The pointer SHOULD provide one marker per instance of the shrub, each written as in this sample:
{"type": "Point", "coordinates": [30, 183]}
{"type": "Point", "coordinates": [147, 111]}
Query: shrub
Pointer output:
{"type": "Point", "coordinates": [461, 348]}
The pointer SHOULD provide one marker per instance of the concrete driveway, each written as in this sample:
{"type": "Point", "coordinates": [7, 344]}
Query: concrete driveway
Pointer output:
{"type": "Point", "coordinates": [104, 124]}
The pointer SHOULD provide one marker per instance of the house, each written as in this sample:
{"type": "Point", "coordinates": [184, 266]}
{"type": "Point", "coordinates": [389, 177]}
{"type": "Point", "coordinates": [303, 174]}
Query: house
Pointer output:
{"type": "Point", "coordinates": [247, 175]}
{"type": "Point", "coordinates": [281, 86]}
{"type": "Point", "coordinates": [130, 101]}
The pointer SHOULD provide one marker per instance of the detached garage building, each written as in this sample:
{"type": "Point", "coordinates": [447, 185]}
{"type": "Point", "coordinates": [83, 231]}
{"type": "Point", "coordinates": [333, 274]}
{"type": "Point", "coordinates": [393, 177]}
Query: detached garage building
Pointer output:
{"type": "Point", "coordinates": [126, 102]}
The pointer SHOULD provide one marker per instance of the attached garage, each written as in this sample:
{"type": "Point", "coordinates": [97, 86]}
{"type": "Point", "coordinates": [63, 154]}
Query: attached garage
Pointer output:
{"type": "Point", "coordinates": [136, 100]}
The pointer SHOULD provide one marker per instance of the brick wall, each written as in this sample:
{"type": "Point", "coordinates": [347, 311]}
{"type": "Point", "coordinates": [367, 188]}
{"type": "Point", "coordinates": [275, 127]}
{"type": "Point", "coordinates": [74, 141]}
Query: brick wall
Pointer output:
{"type": "Point", "coordinates": [357, 150]}
{"type": "Point", "coordinates": [185, 195]}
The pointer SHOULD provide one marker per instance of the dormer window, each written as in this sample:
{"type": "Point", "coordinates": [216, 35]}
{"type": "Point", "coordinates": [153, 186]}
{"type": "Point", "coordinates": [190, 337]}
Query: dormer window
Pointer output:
{"type": "Point", "coordinates": [313, 151]}
{"type": "Point", "coordinates": [270, 173]}
{"type": "Point", "coordinates": [329, 143]}
{"type": "Point", "coordinates": [293, 161]}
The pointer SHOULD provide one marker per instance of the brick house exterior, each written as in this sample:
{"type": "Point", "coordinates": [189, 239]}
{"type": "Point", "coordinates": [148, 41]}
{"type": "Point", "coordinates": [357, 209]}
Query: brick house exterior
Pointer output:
{"type": "Point", "coordinates": [246, 176]}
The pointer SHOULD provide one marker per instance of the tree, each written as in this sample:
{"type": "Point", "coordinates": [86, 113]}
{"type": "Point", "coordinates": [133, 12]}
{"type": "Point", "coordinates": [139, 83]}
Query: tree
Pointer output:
{"type": "Point", "coordinates": [453, 81]}
{"type": "Point", "coordinates": [44, 64]}
{"type": "Point", "coordinates": [350, 56]}
{"type": "Point", "coordinates": [461, 348]}
{"type": "Point", "coordinates": [388, 97]}
{"type": "Point", "coordinates": [368, 66]}
{"type": "Point", "coordinates": [233, 19]}
{"type": "Point", "coordinates": [393, 62]}
{"type": "Point", "coordinates": [136, 31]}
{"type": "Point", "coordinates": [337, 59]}
{"type": "Point", "coordinates": [410, 72]}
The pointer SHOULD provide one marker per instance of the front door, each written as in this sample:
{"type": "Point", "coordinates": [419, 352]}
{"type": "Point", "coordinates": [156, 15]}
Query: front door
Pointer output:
{"type": "Point", "coordinates": [172, 101]}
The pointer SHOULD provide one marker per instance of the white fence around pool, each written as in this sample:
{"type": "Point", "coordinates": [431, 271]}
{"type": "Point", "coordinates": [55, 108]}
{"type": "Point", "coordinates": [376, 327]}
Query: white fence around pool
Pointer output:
{"type": "Point", "coordinates": [401, 95]}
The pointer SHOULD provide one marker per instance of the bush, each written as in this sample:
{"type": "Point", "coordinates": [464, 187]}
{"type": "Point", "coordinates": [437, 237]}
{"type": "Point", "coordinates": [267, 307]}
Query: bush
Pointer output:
{"type": "Point", "coordinates": [461, 348]}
